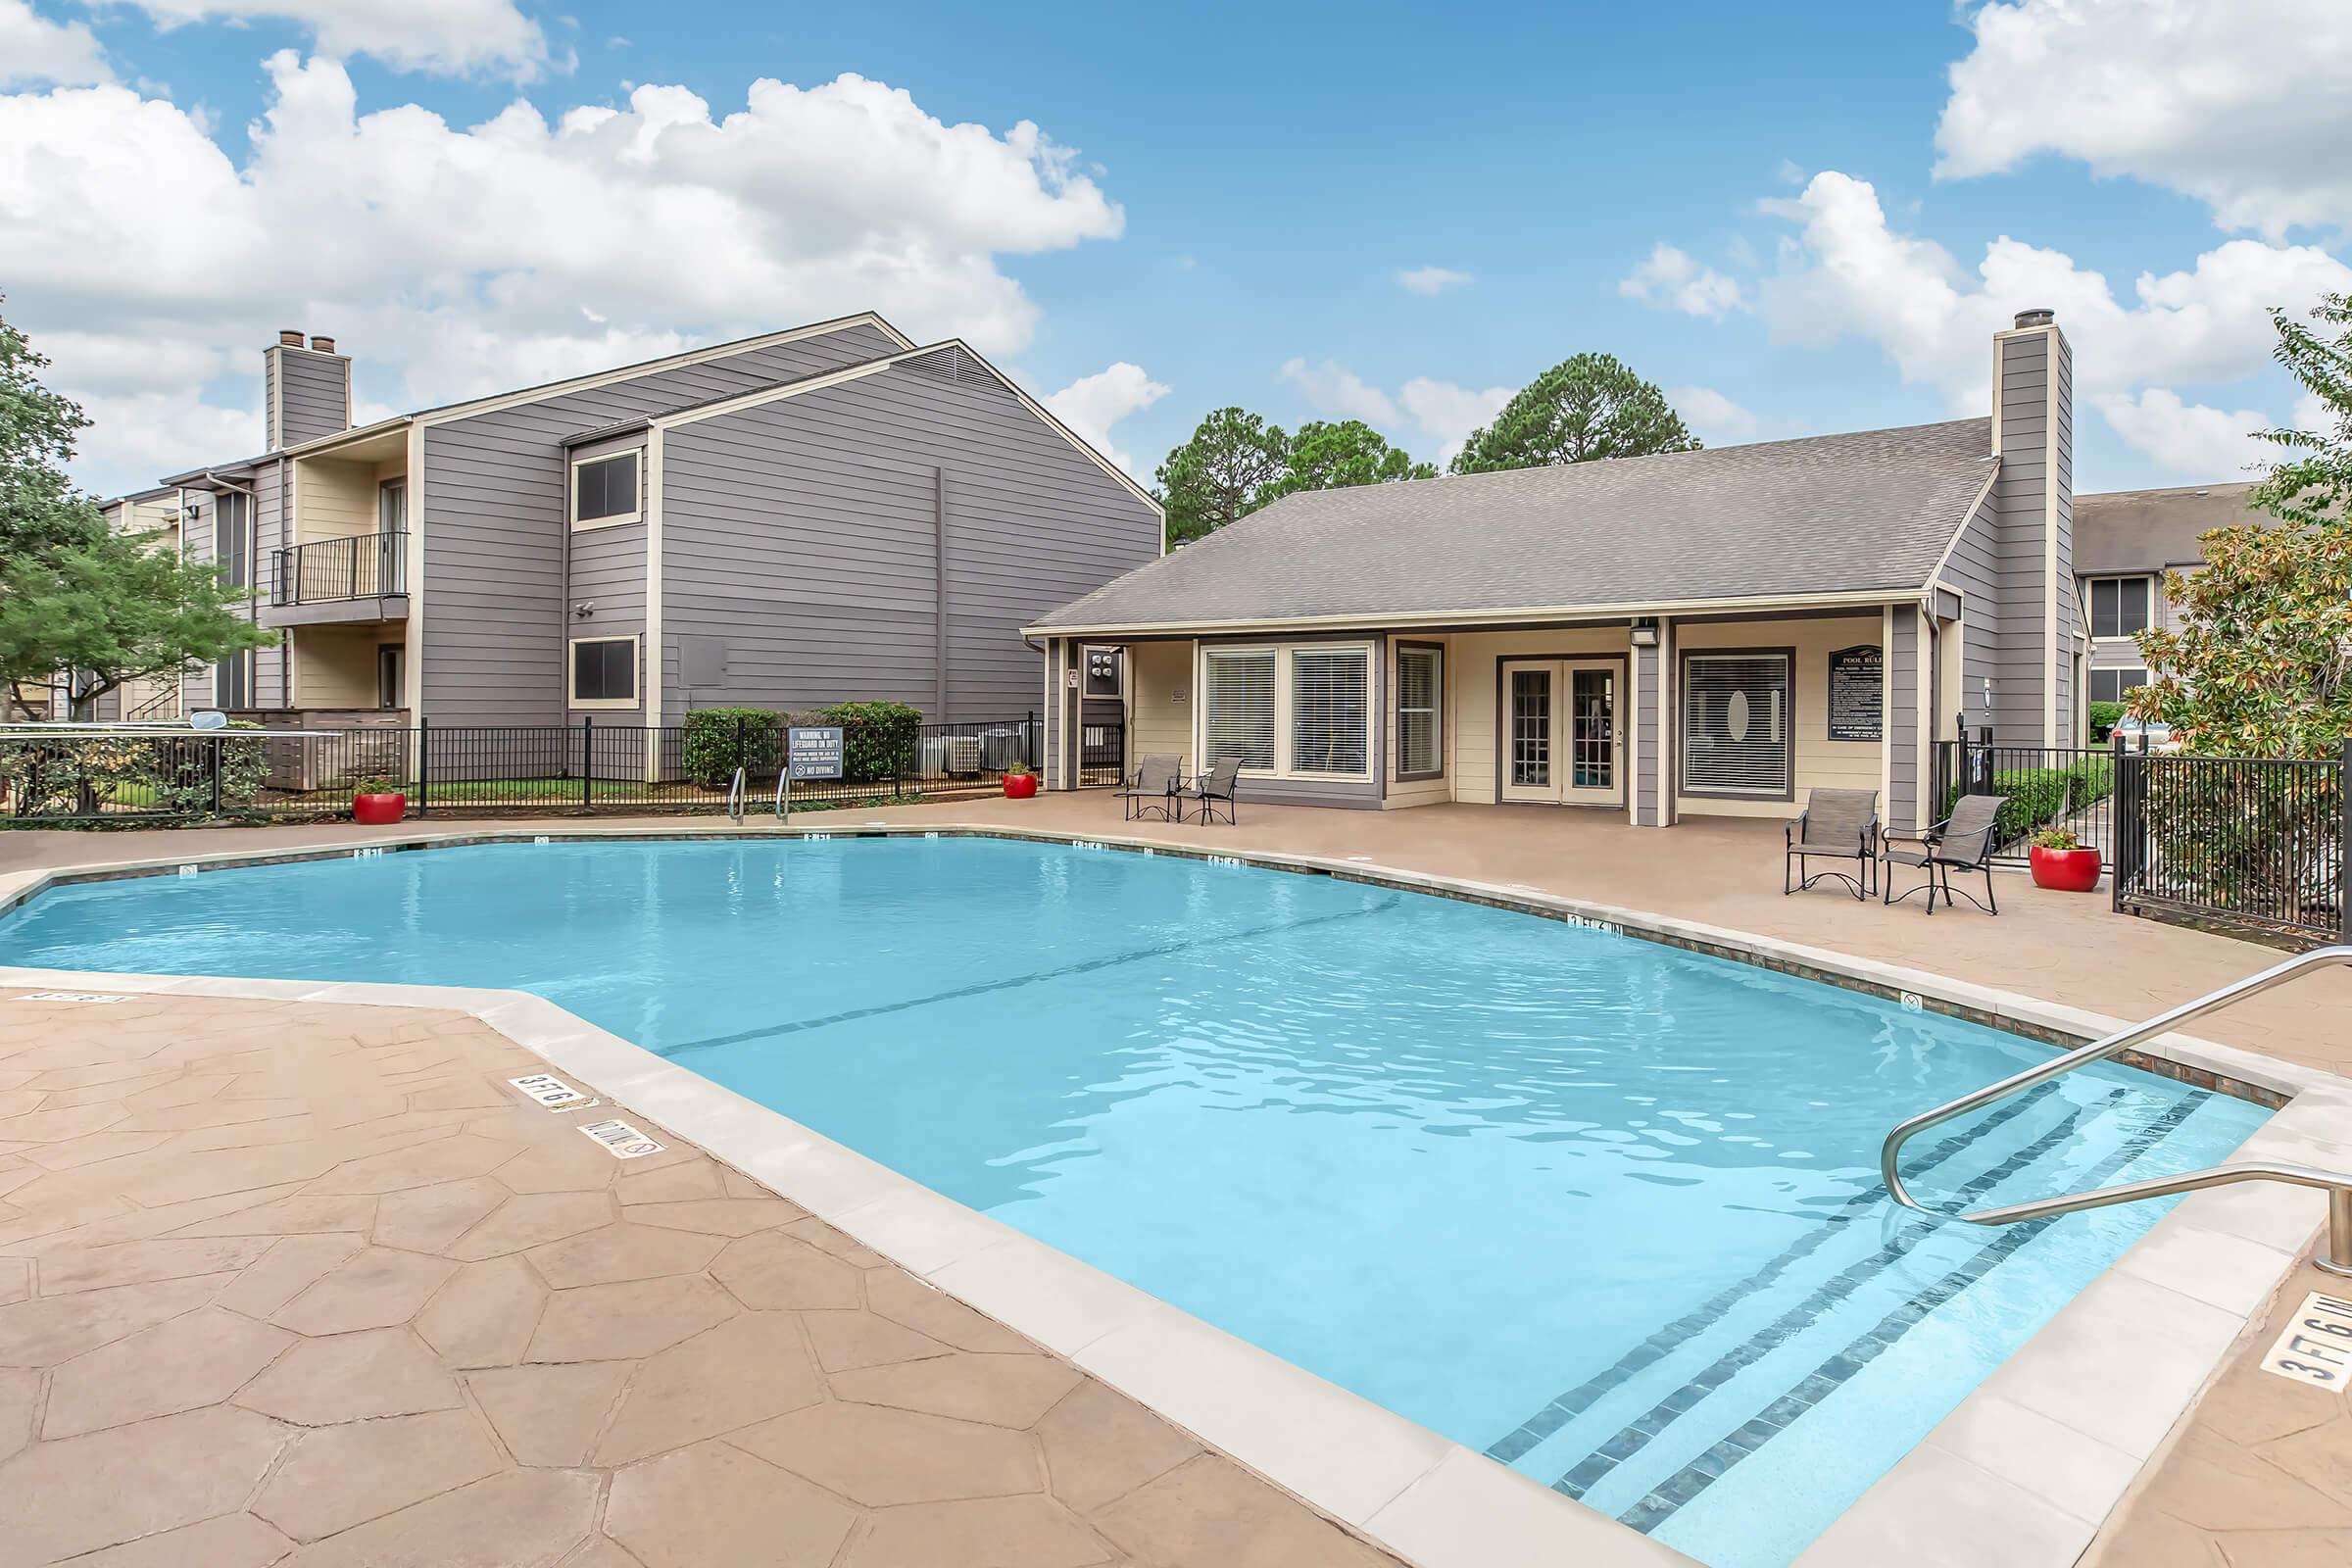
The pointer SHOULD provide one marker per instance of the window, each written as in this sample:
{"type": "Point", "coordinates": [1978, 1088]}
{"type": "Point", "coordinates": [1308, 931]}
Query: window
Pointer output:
{"type": "Point", "coordinates": [1330, 699]}
{"type": "Point", "coordinates": [604, 490]}
{"type": "Point", "coordinates": [1736, 731]}
{"type": "Point", "coordinates": [1420, 714]}
{"type": "Point", "coordinates": [1240, 708]}
{"type": "Point", "coordinates": [604, 672]}
{"type": "Point", "coordinates": [2110, 685]}
{"type": "Point", "coordinates": [232, 682]}
{"type": "Point", "coordinates": [2119, 606]}
{"type": "Point", "coordinates": [232, 538]}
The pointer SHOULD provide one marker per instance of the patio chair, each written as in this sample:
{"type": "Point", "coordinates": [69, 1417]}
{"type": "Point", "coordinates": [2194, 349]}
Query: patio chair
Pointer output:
{"type": "Point", "coordinates": [1216, 786]}
{"type": "Point", "coordinates": [1961, 842]}
{"type": "Point", "coordinates": [1835, 825]}
{"type": "Point", "coordinates": [1153, 788]}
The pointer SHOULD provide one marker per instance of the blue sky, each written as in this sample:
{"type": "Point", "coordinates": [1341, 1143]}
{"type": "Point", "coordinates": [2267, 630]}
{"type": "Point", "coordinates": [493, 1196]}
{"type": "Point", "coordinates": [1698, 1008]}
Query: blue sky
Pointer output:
{"type": "Point", "coordinates": [1796, 218]}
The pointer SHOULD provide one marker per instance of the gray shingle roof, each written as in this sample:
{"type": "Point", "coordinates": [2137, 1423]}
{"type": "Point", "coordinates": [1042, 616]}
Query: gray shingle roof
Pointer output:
{"type": "Point", "coordinates": [1832, 513]}
{"type": "Point", "coordinates": [2148, 530]}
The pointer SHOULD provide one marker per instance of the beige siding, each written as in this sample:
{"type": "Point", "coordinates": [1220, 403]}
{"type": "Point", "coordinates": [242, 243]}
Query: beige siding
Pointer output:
{"type": "Point", "coordinates": [1422, 791]}
{"type": "Point", "coordinates": [334, 666]}
{"type": "Point", "coordinates": [1470, 677]}
{"type": "Point", "coordinates": [1821, 762]}
{"type": "Point", "coordinates": [1160, 701]}
{"type": "Point", "coordinates": [333, 500]}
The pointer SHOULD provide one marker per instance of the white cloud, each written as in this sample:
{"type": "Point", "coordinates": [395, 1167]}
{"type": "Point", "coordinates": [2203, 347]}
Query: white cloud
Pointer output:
{"type": "Point", "coordinates": [456, 261]}
{"type": "Point", "coordinates": [1848, 273]}
{"type": "Point", "coordinates": [35, 49]}
{"type": "Point", "coordinates": [1432, 279]}
{"type": "Point", "coordinates": [1450, 413]}
{"type": "Point", "coordinates": [1338, 391]}
{"type": "Point", "coordinates": [1713, 415]}
{"type": "Point", "coordinates": [1090, 405]}
{"type": "Point", "coordinates": [2242, 106]}
{"type": "Point", "coordinates": [2189, 438]}
{"type": "Point", "coordinates": [1671, 280]}
{"type": "Point", "coordinates": [454, 37]}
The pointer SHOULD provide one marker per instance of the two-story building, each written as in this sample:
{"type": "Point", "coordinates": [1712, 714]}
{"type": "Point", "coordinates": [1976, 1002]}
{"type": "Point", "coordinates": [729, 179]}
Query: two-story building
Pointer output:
{"type": "Point", "coordinates": [812, 515]}
{"type": "Point", "coordinates": [2125, 542]}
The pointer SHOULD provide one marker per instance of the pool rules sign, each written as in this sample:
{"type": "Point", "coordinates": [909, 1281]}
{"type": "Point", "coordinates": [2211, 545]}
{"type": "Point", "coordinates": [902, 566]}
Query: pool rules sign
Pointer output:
{"type": "Point", "coordinates": [810, 752]}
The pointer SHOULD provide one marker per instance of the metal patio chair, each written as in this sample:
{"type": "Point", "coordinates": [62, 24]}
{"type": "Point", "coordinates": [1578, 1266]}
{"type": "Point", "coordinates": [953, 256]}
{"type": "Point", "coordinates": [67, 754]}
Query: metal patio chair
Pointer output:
{"type": "Point", "coordinates": [1213, 787]}
{"type": "Point", "coordinates": [1157, 779]}
{"type": "Point", "coordinates": [1835, 825]}
{"type": "Point", "coordinates": [1961, 842]}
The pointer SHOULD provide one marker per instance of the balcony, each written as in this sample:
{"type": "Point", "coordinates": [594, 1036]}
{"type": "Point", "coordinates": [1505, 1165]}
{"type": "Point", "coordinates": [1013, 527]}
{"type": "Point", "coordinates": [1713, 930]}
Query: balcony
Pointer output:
{"type": "Point", "coordinates": [361, 577]}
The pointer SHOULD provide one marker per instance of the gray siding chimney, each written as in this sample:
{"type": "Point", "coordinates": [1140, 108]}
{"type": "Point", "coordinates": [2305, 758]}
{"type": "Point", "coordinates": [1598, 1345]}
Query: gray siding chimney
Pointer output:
{"type": "Point", "coordinates": [306, 390]}
{"type": "Point", "coordinates": [2032, 434]}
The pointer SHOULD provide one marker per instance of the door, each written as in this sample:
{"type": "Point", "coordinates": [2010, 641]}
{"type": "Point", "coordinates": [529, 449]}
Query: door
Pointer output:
{"type": "Point", "coordinates": [1561, 743]}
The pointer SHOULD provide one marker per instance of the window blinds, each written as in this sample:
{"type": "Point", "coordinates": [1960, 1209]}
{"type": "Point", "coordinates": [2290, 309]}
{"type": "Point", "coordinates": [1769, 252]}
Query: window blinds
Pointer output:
{"type": "Point", "coordinates": [1330, 706]}
{"type": "Point", "coordinates": [1417, 719]}
{"type": "Point", "coordinates": [1736, 738]}
{"type": "Point", "coordinates": [1240, 708]}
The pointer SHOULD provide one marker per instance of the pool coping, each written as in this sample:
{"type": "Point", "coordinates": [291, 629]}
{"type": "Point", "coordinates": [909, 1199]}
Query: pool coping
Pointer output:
{"type": "Point", "coordinates": [2037, 1454]}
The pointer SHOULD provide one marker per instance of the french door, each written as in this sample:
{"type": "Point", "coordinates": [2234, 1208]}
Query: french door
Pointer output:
{"type": "Point", "coordinates": [1562, 742]}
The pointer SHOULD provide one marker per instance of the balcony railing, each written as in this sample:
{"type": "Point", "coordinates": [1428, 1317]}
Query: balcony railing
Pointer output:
{"type": "Point", "coordinates": [365, 566]}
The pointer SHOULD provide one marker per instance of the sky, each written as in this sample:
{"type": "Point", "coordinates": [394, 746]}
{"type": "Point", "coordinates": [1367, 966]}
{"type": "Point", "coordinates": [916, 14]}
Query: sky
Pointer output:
{"type": "Point", "coordinates": [1796, 218]}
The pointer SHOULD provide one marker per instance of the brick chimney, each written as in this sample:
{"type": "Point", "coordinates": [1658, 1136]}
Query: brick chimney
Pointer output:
{"type": "Point", "coordinates": [2032, 434]}
{"type": "Point", "coordinates": [305, 389]}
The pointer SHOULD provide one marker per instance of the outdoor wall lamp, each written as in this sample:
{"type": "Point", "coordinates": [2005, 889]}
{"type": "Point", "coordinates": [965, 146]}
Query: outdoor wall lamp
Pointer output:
{"type": "Point", "coordinates": [1645, 634]}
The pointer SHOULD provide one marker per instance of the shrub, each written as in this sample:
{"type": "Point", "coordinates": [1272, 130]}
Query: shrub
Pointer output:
{"type": "Point", "coordinates": [59, 776]}
{"type": "Point", "coordinates": [2104, 717]}
{"type": "Point", "coordinates": [877, 739]}
{"type": "Point", "coordinates": [2057, 837]}
{"type": "Point", "coordinates": [181, 774]}
{"type": "Point", "coordinates": [2040, 796]}
{"type": "Point", "coordinates": [720, 740]}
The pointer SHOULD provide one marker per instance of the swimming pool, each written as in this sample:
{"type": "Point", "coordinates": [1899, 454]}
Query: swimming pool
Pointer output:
{"type": "Point", "coordinates": [1602, 1208]}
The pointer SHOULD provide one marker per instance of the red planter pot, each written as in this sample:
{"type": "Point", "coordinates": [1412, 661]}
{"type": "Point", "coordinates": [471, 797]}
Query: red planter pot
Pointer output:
{"type": "Point", "coordinates": [378, 810]}
{"type": "Point", "coordinates": [1019, 786]}
{"type": "Point", "coordinates": [2064, 870]}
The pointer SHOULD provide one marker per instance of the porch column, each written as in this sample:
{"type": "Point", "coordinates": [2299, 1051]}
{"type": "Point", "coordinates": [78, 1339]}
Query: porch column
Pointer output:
{"type": "Point", "coordinates": [1904, 708]}
{"type": "Point", "coordinates": [1648, 801]}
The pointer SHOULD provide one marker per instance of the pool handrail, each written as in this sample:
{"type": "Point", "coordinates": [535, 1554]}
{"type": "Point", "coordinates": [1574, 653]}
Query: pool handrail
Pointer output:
{"type": "Point", "coordinates": [735, 794]}
{"type": "Point", "coordinates": [2338, 1258]}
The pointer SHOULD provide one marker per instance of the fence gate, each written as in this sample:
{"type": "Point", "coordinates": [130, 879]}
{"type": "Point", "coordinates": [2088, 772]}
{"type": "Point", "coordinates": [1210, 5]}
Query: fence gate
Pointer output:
{"type": "Point", "coordinates": [2069, 787]}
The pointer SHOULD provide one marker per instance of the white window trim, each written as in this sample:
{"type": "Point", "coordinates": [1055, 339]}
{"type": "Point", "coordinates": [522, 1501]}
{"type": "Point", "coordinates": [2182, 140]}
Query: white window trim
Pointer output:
{"type": "Point", "coordinates": [572, 677]}
{"type": "Point", "coordinates": [571, 495]}
{"type": "Point", "coordinates": [1285, 738]}
{"type": "Point", "coordinates": [1400, 650]}
{"type": "Point", "coordinates": [2090, 588]}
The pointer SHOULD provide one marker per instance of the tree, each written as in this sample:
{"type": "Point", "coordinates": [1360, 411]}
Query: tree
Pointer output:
{"type": "Point", "coordinates": [1586, 407]}
{"type": "Point", "coordinates": [1329, 456]}
{"type": "Point", "coordinates": [2317, 486]}
{"type": "Point", "coordinates": [75, 595]}
{"type": "Point", "coordinates": [1220, 475]}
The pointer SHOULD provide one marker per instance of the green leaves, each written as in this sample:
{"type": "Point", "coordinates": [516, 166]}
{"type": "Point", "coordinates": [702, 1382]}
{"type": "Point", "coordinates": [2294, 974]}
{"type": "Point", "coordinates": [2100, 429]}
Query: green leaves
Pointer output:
{"type": "Point", "coordinates": [2312, 485]}
{"type": "Point", "coordinates": [1586, 407]}
{"type": "Point", "coordinates": [74, 593]}
{"type": "Point", "coordinates": [1329, 456]}
{"type": "Point", "coordinates": [1236, 462]}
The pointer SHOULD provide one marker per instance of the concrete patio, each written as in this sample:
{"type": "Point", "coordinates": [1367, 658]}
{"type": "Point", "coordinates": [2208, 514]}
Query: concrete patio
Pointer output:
{"type": "Point", "coordinates": [2260, 1472]}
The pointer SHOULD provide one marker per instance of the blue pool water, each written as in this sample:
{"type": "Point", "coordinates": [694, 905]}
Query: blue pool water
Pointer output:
{"type": "Point", "coordinates": [1604, 1208]}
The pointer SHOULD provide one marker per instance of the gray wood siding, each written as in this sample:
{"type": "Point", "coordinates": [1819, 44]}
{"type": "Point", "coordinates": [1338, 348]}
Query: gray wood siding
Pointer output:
{"type": "Point", "coordinates": [1646, 756]}
{"type": "Point", "coordinates": [271, 672]}
{"type": "Point", "coordinates": [1903, 719]}
{"type": "Point", "coordinates": [607, 569]}
{"type": "Point", "coordinates": [804, 531]}
{"type": "Point", "coordinates": [315, 388]}
{"type": "Point", "coordinates": [495, 620]}
{"type": "Point", "coordinates": [1973, 568]}
{"type": "Point", "coordinates": [2026, 665]}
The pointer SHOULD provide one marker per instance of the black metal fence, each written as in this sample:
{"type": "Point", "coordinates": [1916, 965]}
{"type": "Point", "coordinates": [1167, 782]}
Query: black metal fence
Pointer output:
{"type": "Point", "coordinates": [449, 769]}
{"type": "Point", "coordinates": [1102, 754]}
{"type": "Point", "coordinates": [2254, 842]}
{"type": "Point", "coordinates": [2071, 787]}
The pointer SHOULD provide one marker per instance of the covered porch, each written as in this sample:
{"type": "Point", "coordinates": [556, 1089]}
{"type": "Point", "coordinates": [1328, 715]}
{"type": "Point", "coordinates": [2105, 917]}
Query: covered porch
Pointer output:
{"type": "Point", "coordinates": [1656, 719]}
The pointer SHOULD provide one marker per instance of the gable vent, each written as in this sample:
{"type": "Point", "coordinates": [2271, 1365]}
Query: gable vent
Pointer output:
{"type": "Point", "coordinates": [956, 363]}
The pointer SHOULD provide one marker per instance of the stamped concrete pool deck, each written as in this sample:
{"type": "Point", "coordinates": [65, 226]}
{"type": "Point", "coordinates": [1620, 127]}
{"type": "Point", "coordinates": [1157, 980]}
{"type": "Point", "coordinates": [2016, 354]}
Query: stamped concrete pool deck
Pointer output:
{"type": "Point", "coordinates": [2258, 1473]}
{"type": "Point", "coordinates": [312, 1284]}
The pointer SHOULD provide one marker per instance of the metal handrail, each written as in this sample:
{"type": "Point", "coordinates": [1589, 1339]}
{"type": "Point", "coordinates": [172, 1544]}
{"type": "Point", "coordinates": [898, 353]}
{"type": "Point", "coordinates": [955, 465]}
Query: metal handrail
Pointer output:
{"type": "Point", "coordinates": [2337, 1184]}
{"type": "Point", "coordinates": [783, 778]}
{"type": "Point", "coordinates": [735, 795]}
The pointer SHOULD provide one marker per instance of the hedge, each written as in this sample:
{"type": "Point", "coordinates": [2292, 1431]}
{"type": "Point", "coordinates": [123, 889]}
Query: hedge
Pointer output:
{"type": "Point", "coordinates": [2104, 717]}
{"type": "Point", "coordinates": [720, 740]}
{"type": "Point", "coordinates": [58, 775]}
{"type": "Point", "coordinates": [2041, 796]}
{"type": "Point", "coordinates": [877, 739]}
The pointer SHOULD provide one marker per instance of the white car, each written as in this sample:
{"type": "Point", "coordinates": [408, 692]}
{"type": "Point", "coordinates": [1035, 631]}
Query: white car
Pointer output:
{"type": "Point", "coordinates": [2159, 736]}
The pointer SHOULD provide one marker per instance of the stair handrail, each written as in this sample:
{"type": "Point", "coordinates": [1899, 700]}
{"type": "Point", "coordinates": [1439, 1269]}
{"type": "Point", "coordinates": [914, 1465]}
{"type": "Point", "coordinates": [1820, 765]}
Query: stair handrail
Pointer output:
{"type": "Point", "coordinates": [2337, 1184]}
